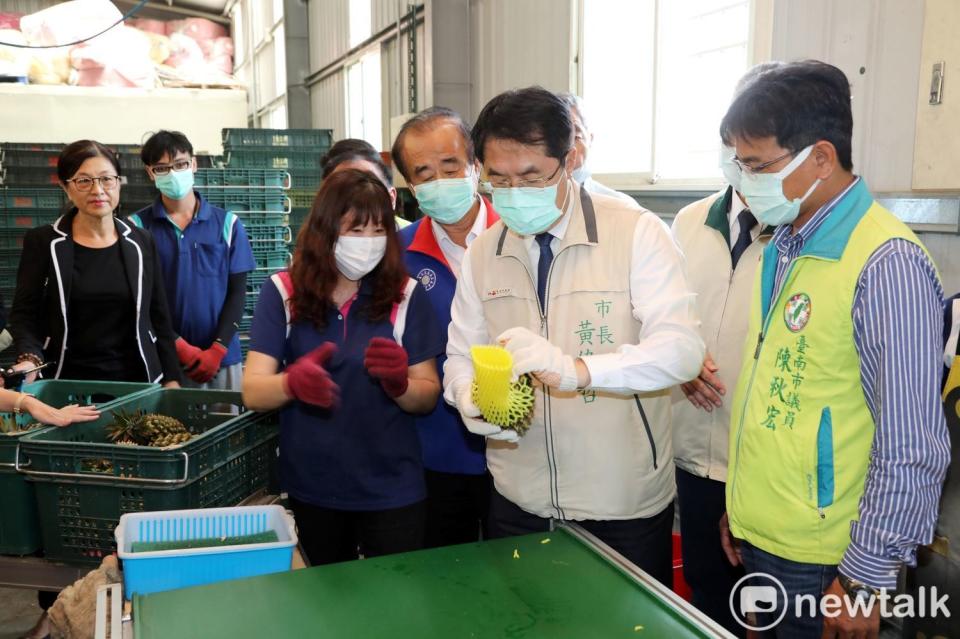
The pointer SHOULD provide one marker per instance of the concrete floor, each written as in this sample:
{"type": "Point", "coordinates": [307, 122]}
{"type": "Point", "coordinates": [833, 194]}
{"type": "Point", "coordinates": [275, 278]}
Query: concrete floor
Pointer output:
{"type": "Point", "coordinates": [18, 611]}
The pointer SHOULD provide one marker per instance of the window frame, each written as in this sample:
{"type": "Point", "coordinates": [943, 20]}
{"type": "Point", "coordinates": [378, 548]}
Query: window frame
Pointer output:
{"type": "Point", "coordinates": [759, 48]}
{"type": "Point", "coordinates": [356, 60]}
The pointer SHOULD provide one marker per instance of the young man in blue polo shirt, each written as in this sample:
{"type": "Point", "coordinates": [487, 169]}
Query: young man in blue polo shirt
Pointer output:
{"type": "Point", "coordinates": [434, 153]}
{"type": "Point", "coordinates": [205, 255]}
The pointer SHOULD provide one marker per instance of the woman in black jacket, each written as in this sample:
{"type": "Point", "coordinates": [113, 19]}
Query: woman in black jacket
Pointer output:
{"type": "Point", "coordinates": [90, 294]}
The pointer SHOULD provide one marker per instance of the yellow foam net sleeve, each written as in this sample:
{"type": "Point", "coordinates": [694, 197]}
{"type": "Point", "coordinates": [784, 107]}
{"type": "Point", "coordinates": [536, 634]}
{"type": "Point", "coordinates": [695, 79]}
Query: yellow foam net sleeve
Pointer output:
{"type": "Point", "coordinates": [501, 402]}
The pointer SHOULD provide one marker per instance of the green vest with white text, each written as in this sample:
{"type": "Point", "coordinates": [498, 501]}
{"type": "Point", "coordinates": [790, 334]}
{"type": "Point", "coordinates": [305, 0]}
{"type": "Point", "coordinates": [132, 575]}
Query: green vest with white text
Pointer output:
{"type": "Point", "coordinates": [801, 431]}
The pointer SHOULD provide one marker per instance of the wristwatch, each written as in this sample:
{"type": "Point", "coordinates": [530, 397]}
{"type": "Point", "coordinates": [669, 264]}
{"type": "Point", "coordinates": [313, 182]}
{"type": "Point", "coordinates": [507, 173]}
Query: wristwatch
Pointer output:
{"type": "Point", "coordinates": [857, 589]}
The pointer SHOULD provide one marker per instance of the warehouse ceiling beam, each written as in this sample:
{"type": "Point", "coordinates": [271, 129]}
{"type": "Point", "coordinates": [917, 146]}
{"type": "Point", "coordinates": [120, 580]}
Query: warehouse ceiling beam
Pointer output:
{"type": "Point", "coordinates": [154, 6]}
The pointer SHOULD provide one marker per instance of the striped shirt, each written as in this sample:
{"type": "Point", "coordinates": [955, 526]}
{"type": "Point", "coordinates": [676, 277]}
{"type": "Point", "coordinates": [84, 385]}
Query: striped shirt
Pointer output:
{"type": "Point", "coordinates": [897, 328]}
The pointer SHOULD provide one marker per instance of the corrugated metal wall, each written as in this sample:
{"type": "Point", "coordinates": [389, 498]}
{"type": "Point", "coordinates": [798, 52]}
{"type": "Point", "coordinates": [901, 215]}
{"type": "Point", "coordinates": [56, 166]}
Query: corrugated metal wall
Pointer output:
{"type": "Point", "coordinates": [329, 42]}
{"type": "Point", "coordinates": [517, 43]}
{"type": "Point", "coordinates": [328, 103]}
{"type": "Point", "coordinates": [385, 12]}
{"type": "Point", "coordinates": [396, 89]}
{"type": "Point", "coordinates": [329, 31]}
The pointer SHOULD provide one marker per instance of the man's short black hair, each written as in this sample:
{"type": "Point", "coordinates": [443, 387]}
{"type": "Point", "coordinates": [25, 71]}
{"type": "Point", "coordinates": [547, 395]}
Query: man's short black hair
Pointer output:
{"type": "Point", "coordinates": [427, 119]}
{"type": "Point", "coordinates": [350, 149]}
{"type": "Point", "coordinates": [169, 142]}
{"type": "Point", "coordinates": [528, 116]}
{"type": "Point", "coordinates": [798, 103]}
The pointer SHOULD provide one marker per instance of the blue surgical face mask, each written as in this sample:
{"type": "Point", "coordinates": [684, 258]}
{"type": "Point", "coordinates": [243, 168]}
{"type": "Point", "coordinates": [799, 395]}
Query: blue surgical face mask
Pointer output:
{"type": "Point", "coordinates": [447, 200]}
{"type": "Point", "coordinates": [528, 210]}
{"type": "Point", "coordinates": [731, 172]}
{"type": "Point", "coordinates": [764, 193]}
{"type": "Point", "coordinates": [176, 185]}
{"type": "Point", "coordinates": [582, 174]}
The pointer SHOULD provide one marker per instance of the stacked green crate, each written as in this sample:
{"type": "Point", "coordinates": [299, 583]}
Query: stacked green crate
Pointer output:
{"type": "Point", "coordinates": [297, 151]}
{"type": "Point", "coordinates": [258, 197]}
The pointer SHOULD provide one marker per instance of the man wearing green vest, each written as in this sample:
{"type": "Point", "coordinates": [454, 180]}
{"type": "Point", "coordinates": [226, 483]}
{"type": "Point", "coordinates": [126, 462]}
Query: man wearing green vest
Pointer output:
{"type": "Point", "coordinates": [838, 445]}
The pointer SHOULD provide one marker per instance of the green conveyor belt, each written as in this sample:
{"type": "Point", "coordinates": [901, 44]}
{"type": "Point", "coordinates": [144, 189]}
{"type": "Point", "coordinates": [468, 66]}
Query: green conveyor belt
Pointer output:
{"type": "Point", "coordinates": [559, 589]}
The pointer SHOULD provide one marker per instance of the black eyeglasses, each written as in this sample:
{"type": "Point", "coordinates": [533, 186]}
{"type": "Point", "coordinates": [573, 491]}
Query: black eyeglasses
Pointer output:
{"type": "Point", "coordinates": [164, 169]}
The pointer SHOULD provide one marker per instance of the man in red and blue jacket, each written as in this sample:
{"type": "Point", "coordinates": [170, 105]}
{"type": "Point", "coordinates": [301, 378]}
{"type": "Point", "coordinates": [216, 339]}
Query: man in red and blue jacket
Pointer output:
{"type": "Point", "coordinates": [434, 153]}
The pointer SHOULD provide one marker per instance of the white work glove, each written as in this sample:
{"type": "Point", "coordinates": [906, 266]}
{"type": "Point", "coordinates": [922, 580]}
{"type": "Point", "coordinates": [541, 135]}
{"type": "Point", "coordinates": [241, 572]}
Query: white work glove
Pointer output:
{"type": "Point", "coordinates": [534, 354]}
{"type": "Point", "coordinates": [470, 415]}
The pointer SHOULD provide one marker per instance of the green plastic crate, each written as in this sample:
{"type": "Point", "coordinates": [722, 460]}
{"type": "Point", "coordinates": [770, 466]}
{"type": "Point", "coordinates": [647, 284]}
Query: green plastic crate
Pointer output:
{"type": "Point", "coordinates": [216, 417]}
{"type": "Point", "coordinates": [266, 237]}
{"type": "Point", "coordinates": [32, 146]}
{"type": "Point", "coordinates": [302, 198]}
{"type": "Point", "coordinates": [271, 259]}
{"type": "Point", "coordinates": [60, 392]}
{"type": "Point", "coordinates": [84, 483]}
{"type": "Point", "coordinates": [238, 199]}
{"type": "Point", "coordinates": [32, 198]}
{"type": "Point", "coordinates": [255, 280]}
{"type": "Point", "coordinates": [19, 524]}
{"type": "Point", "coordinates": [77, 520]}
{"type": "Point", "coordinates": [249, 178]}
{"type": "Point", "coordinates": [136, 177]}
{"type": "Point", "coordinates": [130, 162]}
{"type": "Point", "coordinates": [19, 527]}
{"type": "Point", "coordinates": [263, 218]}
{"type": "Point", "coordinates": [306, 138]}
{"type": "Point", "coordinates": [10, 258]}
{"type": "Point", "coordinates": [8, 281]}
{"type": "Point", "coordinates": [274, 158]}
{"type": "Point", "coordinates": [305, 179]}
{"type": "Point", "coordinates": [28, 176]}
{"type": "Point", "coordinates": [29, 157]}
{"type": "Point", "coordinates": [26, 219]}
{"type": "Point", "coordinates": [12, 238]}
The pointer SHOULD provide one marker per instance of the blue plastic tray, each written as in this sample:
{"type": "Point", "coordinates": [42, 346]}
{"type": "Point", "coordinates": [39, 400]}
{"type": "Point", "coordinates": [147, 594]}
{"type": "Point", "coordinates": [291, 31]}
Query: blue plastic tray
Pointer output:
{"type": "Point", "coordinates": [148, 572]}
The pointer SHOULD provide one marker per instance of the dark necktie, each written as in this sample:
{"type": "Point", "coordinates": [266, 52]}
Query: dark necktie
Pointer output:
{"type": "Point", "coordinates": [543, 268]}
{"type": "Point", "coordinates": [747, 222]}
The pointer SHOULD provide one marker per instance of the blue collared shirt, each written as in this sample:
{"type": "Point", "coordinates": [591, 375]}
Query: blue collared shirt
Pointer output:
{"type": "Point", "coordinates": [897, 328]}
{"type": "Point", "coordinates": [197, 263]}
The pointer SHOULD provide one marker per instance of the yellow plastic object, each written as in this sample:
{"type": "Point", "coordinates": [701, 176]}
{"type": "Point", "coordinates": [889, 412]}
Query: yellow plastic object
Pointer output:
{"type": "Point", "coordinates": [501, 402]}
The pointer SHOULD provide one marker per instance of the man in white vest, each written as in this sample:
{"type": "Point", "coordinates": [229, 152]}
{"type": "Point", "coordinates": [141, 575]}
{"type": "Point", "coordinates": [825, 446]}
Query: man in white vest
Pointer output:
{"type": "Point", "coordinates": [722, 242]}
{"type": "Point", "coordinates": [589, 296]}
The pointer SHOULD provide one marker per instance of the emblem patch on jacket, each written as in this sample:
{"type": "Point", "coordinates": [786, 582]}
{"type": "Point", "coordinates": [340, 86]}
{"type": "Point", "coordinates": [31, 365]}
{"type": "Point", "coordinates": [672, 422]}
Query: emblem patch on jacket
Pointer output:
{"type": "Point", "coordinates": [497, 292]}
{"type": "Point", "coordinates": [796, 313]}
{"type": "Point", "coordinates": [427, 278]}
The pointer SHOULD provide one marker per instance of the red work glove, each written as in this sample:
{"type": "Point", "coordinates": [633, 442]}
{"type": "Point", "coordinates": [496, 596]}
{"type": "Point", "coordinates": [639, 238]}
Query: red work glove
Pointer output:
{"type": "Point", "coordinates": [307, 379]}
{"type": "Point", "coordinates": [187, 353]}
{"type": "Point", "coordinates": [209, 364]}
{"type": "Point", "coordinates": [388, 361]}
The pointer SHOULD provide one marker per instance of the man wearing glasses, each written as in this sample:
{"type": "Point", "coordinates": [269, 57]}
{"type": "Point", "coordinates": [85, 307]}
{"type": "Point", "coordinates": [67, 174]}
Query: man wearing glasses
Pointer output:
{"type": "Point", "coordinates": [205, 255]}
{"type": "Point", "coordinates": [838, 445]}
{"type": "Point", "coordinates": [583, 143]}
{"type": "Point", "coordinates": [588, 295]}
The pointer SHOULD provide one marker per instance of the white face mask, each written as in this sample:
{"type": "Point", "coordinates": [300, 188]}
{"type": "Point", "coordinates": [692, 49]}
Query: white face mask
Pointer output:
{"type": "Point", "coordinates": [356, 256]}
{"type": "Point", "coordinates": [764, 193]}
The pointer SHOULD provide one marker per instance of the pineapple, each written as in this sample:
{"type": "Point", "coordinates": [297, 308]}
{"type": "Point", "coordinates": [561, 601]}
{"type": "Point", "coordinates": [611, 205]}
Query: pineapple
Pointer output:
{"type": "Point", "coordinates": [124, 429]}
{"type": "Point", "coordinates": [151, 429]}
{"type": "Point", "coordinates": [163, 430]}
